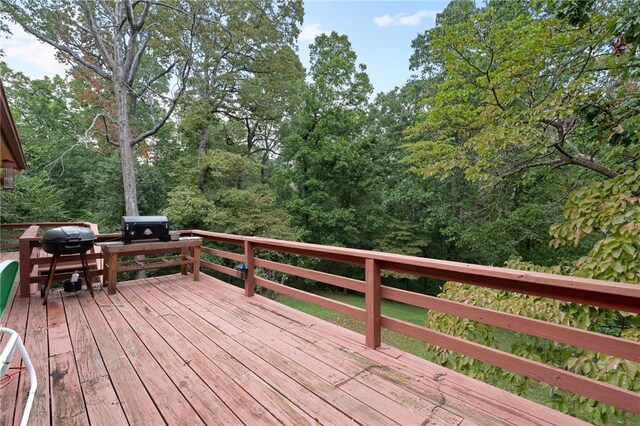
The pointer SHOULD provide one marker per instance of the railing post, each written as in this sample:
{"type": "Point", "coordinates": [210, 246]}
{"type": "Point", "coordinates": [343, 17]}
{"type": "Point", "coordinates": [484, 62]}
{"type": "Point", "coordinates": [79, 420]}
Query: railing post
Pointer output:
{"type": "Point", "coordinates": [372, 302]}
{"type": "Point", "coordinates": [25, 260]}
{"type": "Point", "coordinates": [249, 281]}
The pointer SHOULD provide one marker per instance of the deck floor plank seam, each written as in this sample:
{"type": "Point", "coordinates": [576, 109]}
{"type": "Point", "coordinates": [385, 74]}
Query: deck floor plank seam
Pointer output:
{"type": "Point", "coordinates": [136, 402]}
{"type": "Point", "coordinates": [277, 405]}
{"type": "Point", "coordinates": [343, 364]}
{"type": "Point", "coordinates": [168, 350]}
{"type": "Point", "coordinates": [301, 366]}
{"type": "Point", "coordinates": [101, 399]}
{"type": "Point", "coordinates": [37, 345]}
{"type": "Point", "coordinates": [309, 402]}
{"type": "Point", "coordinates": [173, 406]}
{"type": "Point", "coordinates": [242, 373]}
{"type": "Point", "coordinates": [524, 410]}
{"type": "Point", "coordinates": [204, 375]}
{"type": "Point", "coordinates": [15, 319]}
{"type": "Point", "coordinates": [302, 350]}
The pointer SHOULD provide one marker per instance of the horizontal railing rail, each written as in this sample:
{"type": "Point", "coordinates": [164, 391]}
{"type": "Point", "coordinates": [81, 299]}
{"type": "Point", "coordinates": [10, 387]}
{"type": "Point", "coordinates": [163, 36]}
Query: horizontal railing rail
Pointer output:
{"type": "Point", "coordinates": [33, 260]}
{"type": "Point", "coordinates": [611, 295]}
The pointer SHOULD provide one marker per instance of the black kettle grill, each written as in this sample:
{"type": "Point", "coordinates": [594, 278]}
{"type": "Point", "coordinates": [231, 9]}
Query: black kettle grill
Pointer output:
{"type": "Point", "coordinates": [67, 240]}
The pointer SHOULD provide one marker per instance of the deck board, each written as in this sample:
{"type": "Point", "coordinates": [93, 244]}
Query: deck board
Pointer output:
{"type": "Point", "coordinates": [167, 350]}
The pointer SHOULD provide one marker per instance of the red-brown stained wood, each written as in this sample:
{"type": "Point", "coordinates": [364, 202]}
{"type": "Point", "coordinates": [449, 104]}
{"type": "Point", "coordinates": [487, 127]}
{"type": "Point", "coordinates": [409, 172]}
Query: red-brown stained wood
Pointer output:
{"type": "Point", "coordinates": [36, 343]}
{"type": "Point", "coordinates": [224, 254]}
{"type": "Point", "coordinates": [282, 409]}
{"type": "Point", "coordinates": [240, 372]}
{"type": "Point", "coordinates": [193, 372]}
{"type": "Point", "coordinates": [101, 400]}
{"type": "Point", "coordinates": [59, 341]}
{"type": "Point", "coordinates": [354, 366]}
{"type": "Point", "coordinates": [573, 289]}
{"type": "Point", "coordinates": [572, 336]}
{"type": "Point", "coordinates": [249, 281]}
{"type": "Point", "coordinates": [572, 382]}
{"type": "Point", "coordinates": [88, 359]}
{"type": "Point", "coordinates": [322, 277]}
{"type": "Point", "coordinates": [307, 401]}
{"type": "Point", "coordinates": [14, 317]}
{"type": "Point", "coordinates": [136, 402]}
{"type": "Point", "coordinates": [102, 404]}
{"type": "Point", "coordinates": [358, 313]}
{"type": "Point", "coordinates": [67, 403]}
{"type": "Point", "coordinates": [342, 400]}
{"type": "Point", "coordinates": [259, 352]}
{"type": "Point", "coordinates": [372, 303]}
{"type": "Point", "coordinates": [25, 256]}
{"type": "Point", "coordinates": [218, 268]}
{"type": "Point", "coordinates": [173, 406]}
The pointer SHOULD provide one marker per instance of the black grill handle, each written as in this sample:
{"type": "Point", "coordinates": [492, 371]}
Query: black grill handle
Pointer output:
{"type": "Point", "coordinates": [73, 243]}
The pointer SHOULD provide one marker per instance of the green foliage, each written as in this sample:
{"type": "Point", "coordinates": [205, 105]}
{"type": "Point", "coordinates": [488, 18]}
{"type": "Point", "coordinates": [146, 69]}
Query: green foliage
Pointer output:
{"type": "Point", "coordinates": [610, 209]}
{"type": "Point", "coordinates": [616, 371]}
{"type": "Point", "coordinates": [323, 164]}
{"type": "Point", "coordinates": [188, 209]}
{"type": "Point", "coordinates": [518, 90]}
{"type": "Point", "coordinates": [34, 199]}
{"type": "Point", "coordinates": [234, 200]}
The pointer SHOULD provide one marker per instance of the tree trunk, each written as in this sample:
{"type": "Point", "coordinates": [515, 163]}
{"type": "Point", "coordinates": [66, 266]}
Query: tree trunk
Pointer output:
{"type": "Point", "coordinates": [202, 152]}
{"type": "Point", "coordinates": [126, 150]}
{"type": "Point", "coordinates": [127, 163]}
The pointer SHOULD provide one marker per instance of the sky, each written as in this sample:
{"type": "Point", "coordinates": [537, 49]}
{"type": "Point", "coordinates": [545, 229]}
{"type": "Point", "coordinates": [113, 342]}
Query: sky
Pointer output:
{"type": "Point", "coordinates": [380, 32]}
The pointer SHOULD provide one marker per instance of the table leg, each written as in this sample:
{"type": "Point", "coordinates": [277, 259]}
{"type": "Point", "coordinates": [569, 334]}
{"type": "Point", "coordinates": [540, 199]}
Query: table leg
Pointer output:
{"type": "Point", "coordinates": [196, 263]}
{"type": "Point", "coordinates": [183, 265]}
{"type": "Point", "coordinates": [113, 272]}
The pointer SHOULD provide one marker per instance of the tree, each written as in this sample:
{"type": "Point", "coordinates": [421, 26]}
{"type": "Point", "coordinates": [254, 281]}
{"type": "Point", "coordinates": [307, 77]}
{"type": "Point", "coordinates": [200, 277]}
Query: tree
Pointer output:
{"type": "Point", "coordinates": [322, 173]}
{"type": "Point", "coordinates": [244, 70]}
{"type": "Point", "coordinates": [112, 40]}
{"type": "Point", "coordinates": [52, 125]}
{"type": "Point", "coordinates": [521, 89]}
{"type": "Point", "coordinates": [523, 94]}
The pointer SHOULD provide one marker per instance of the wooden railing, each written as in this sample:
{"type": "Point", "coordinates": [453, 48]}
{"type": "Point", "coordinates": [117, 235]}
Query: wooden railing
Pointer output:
{"type": "Point", "coordinates": [31, 257]}
{"type": "Point", "coordinates": [621, 297]}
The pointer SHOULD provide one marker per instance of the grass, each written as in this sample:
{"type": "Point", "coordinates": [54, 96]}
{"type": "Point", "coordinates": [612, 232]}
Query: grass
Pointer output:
{"type": "Point", "coordinates": [389, 308]}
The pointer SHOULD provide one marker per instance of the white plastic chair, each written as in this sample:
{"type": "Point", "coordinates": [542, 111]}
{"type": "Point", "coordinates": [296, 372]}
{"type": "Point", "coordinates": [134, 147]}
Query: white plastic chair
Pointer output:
{"type": "Point", "coordinates": [6, 356]}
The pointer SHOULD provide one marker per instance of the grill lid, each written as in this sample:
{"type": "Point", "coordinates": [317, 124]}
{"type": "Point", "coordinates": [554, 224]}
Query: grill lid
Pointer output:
{"type": "Point", "coordinates": [67, 239]}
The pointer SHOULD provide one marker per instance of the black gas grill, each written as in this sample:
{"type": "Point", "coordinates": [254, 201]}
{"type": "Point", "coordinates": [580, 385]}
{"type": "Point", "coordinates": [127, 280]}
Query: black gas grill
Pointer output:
{"type": "Point", "coordinates": [67, 240]}
{"type": "Point", "coordinates": [144, 228]}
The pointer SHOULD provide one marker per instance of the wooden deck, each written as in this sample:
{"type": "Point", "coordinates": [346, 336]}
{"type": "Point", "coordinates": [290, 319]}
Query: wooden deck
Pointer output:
{"type": "Point", "coordinates": [169, 350]}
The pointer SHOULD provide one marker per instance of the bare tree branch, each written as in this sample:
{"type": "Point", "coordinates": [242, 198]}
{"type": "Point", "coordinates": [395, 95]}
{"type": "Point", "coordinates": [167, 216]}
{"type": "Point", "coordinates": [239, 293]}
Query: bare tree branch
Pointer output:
{"type": "Point", "coordinates": [100, 71]}
{"type": "Point", "coordinates": [95, 33]}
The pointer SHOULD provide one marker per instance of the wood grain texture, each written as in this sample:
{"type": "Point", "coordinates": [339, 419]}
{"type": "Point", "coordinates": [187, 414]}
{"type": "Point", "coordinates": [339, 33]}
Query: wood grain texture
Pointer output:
{"type": "Point", "coordinates": [323, 277]}
{"type": "Point", "coordinates": [372, 303]}
{"type": "Point", "coordinates": [572, 336]}
{"type": "Point", "coordinates": [170, 350]}
{"type": "Point", "coordinates": [67, 402]}
{"type": "Point", "coordinates": [136, 403]}
{"type": "Point", "coordinates": [600, 391]}
{"type": "Point", "coordinates": [358, 313]}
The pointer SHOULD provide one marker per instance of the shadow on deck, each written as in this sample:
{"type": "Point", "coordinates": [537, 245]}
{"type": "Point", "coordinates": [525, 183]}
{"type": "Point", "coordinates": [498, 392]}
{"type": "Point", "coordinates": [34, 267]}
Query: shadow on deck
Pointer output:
{"type": "Point", "coordinates": [168, 350]}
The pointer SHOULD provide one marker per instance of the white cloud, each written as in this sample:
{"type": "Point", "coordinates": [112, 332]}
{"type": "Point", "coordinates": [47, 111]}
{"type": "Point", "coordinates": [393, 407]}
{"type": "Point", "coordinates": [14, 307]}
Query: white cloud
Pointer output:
{"type": "Point", "coordinates": [309, 32]}
{"type": "Point", "coordinates": [403, 20]}
{"type": "Point", "coordinates": [25, 53]}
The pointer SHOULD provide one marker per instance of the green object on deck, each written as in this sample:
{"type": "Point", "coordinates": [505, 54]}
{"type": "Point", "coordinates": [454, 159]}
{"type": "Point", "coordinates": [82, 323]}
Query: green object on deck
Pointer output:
{"type": "Point", "coordinates": [8, 271]}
